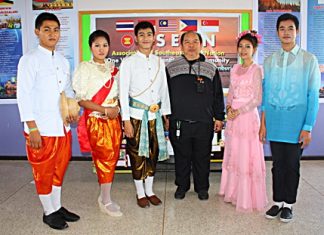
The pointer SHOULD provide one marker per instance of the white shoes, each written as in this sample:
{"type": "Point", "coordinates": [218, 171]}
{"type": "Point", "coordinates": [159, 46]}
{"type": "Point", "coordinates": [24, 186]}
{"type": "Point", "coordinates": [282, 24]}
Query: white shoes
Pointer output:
{"type": "Point", "coordinates": [104, 209]}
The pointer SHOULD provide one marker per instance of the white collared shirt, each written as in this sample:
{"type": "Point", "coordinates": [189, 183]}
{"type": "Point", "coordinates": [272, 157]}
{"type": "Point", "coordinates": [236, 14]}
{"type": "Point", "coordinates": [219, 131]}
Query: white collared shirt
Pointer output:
{"type": "Point", "coordinates": [137, 72]}
{"type": "Point", "coordinates": [42, 76]}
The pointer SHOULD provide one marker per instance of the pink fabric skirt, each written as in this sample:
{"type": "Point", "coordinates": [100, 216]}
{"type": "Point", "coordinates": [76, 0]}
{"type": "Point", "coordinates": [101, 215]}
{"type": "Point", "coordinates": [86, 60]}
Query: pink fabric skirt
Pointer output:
{"type": "Point", "coordinates": [243, 169]}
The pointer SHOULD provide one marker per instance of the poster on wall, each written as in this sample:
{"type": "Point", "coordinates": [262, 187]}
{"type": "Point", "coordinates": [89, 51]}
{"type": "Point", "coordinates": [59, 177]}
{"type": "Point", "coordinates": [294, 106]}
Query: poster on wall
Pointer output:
{"type": "Point", "coordinates": [6, 3]}
{"type": "Point", "coordinates": [269, 11]}
{"type": "Point", "coordinates": [10, 49]}
{"type": "Point", "coordinates": [16, 40]}
{"type": "Point", "coordinates": [52, 4]}
{"type": "Point", "coordinates": [315, 35]}
{"type": "Point", "coordinates": [67, 16]}
{"type": "Point", "coordinates": [218, 31]}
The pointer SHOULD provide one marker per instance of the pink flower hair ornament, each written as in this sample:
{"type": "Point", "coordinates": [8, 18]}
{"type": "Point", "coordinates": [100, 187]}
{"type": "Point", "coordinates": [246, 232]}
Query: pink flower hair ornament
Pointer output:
{"type": "Point", "coordinates": [253, 33]}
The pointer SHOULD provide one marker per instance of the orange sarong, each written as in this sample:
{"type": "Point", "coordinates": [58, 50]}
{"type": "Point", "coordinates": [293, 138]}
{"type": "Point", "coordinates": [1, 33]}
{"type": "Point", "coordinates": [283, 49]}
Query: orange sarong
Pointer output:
{"type": "Point", "coordinates": [50, 162]}
{"type": "Point", "coordinates": [105, 139]}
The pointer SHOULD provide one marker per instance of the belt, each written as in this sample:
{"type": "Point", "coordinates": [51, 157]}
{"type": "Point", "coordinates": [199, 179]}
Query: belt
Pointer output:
{"type": "Point", "coordinates": [188, 121]}
{"type": "Point", "coordinates": [139, 105]}
{"type": "Point", "coordinates": [143, 149]}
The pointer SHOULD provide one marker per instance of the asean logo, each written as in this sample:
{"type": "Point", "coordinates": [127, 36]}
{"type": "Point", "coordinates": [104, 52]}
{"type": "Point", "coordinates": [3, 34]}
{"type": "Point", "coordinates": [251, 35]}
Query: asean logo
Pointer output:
{"type": "Point", "coordinates": [127, 41]}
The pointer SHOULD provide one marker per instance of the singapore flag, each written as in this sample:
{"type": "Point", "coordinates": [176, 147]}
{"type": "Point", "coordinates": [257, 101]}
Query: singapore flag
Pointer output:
{"type": "Point", "coordinates": [209, 26]}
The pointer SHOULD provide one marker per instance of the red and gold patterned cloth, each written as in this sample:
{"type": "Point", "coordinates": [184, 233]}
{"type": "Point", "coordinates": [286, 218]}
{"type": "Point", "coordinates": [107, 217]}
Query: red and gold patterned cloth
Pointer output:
{"type": "Point", "coordinates": [105, 138]}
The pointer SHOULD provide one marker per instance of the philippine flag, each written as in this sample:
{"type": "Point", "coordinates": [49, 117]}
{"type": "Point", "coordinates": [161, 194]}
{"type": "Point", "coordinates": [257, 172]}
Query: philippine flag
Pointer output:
{"type": "Point", "coordinates": [124, 26]}
{"type": "Point", "coordinates": [209, 26]}
{"type": "Point", "coordinates": [187, 25]}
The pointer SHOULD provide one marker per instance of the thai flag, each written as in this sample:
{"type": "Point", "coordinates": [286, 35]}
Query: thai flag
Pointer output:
{"type": "Point", "coordinates": [124, 26]}
{"type": "Point", "coordinates": [209, 26]}
{"type": "Point", "coordinates": [168, 25]}
{"type": "Point", "coordinates": [188, 25]}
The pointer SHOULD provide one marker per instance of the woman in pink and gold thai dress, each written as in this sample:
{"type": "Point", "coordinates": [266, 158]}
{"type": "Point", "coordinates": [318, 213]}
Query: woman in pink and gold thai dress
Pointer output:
{"type": "Point", "coordinates": [99, 129]}
{"type": "Point", "coordinates": [243, 169]}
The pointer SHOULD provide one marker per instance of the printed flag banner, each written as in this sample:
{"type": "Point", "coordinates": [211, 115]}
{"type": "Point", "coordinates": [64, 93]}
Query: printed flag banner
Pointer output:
{"type": "Point", "coordinates": [168, 25]}
{"type": "Point", "coordinates": [218, 32]}
{"type": "Point", "coordinates": [209, 25]}
{"type": "Point", "coordinates": [124, 26]}
{"type": "Point", "coordinates": [188, 25]}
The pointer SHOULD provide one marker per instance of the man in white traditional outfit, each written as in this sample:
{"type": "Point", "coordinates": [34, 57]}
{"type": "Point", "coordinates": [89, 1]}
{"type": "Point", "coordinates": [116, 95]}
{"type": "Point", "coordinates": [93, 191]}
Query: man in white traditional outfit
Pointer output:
{"type": "Point", "coordinates": [43, 75]}
{"type": "Point", "coordinates": [144, 98]}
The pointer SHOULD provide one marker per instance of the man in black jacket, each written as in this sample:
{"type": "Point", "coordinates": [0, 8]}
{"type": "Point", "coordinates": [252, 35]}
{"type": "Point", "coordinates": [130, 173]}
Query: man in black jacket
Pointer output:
{"type": "Point", "coordinates": [197, 107]}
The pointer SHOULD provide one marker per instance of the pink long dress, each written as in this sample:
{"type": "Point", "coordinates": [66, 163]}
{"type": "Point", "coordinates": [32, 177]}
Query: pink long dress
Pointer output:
{"type": "Point", "coordinates": [243, 170]}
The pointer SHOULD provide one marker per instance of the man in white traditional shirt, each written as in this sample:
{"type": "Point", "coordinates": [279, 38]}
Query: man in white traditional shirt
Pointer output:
{"type": "Point", "coordinates": [144, 98]}
{"type": "Point", "coordinates": [43, 74]}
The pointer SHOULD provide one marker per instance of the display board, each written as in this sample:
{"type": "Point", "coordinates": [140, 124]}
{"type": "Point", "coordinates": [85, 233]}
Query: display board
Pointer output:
{"type": "Point", "coordinates": [268, 13]}
{"type": "Point", "coordinates": [315, 35]}
{"type": "Point", "coordinates": [17, 36]}
{"type": "Point", "coordinates": [218, 30]}
{"type": "Point", "coordinates": [10, 46]}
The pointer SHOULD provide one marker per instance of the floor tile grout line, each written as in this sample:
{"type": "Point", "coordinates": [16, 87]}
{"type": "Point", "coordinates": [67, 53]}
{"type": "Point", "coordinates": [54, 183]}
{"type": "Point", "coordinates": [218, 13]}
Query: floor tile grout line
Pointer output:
{"type": "Point", "coordinates": [312, 186]}
{"type": "Point", "coordinates": [14, 193]}
{"type": "Point", "coordinates": [164, 204]}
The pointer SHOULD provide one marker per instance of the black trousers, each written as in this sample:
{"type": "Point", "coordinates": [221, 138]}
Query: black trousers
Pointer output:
{"type": "Point", "coordinates": [192, 150]}
{"type": "Point", "coordinates": [285, 171]}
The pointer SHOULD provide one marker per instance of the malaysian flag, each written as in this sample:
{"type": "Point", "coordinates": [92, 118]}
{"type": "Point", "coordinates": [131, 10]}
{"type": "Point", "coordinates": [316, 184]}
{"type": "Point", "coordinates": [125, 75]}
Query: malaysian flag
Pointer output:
{"type": "Point", "coordinates": [168, 25]}
{"type": "Point", "coordinates": [124, 26]}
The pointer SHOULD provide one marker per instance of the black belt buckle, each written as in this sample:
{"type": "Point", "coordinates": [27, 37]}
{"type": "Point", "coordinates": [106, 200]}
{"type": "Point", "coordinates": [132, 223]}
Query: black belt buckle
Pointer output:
{"type": "Point", "coordinates": [190, 121]}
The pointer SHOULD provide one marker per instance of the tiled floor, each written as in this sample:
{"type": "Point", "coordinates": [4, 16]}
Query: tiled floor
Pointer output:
{"type": "Point", "coordinates": [21, 213]}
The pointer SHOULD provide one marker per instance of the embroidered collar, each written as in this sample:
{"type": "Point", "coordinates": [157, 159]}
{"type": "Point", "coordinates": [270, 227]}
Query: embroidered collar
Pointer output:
{"type": "Point", "coordinates": [103, 67]}
{"type": "Point", "coordinates": [294, 51]}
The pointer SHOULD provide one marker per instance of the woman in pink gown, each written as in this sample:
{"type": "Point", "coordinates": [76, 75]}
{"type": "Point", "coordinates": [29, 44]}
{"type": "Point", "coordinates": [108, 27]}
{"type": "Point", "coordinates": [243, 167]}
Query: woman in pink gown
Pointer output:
{"type": "Point", "coordinates": [243, 170]}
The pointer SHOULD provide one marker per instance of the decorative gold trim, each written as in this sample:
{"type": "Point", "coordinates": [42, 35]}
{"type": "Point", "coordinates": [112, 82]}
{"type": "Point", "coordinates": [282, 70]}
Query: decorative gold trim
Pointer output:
{"type": "Point", "coordinates": [154, 108]}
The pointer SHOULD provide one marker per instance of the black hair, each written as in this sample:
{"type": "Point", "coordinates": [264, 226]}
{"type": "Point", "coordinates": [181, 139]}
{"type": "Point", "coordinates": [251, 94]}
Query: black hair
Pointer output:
{"type": "Point", "coordinates": [191, 31]}
{"type": "Point", "coordinates": [288, 16]}
{"type": "Point", "coordinates": [144, 25]}
{"type": "Point", "coordinates": [249, 37]}
{"type": "Point", "coordinates": [96, 34]}
{"type": "Point", "coordinates": [45, 16]}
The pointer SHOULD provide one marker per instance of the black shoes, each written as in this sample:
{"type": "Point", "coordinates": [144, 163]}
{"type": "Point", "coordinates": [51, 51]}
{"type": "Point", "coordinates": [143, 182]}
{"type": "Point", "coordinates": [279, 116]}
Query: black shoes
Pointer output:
{"type": "Point", "coordinates": [67, 215]}
{"type": "Point", "coordinates": [273, 212]}
{"type": "Point", "coordinates": [203, 195]}
{"type": "Point", "coordinates": [286, 215]}
{"type": "Point", "coordinates": [55, 221]}
{"type": "Point", "coordinates": [180, 193]}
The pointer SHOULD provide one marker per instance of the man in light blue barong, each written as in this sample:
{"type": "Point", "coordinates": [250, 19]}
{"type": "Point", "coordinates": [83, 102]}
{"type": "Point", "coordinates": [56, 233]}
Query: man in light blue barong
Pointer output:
{"type": "Point", "coordinates": [289, 109]}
